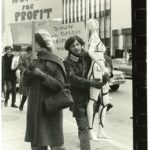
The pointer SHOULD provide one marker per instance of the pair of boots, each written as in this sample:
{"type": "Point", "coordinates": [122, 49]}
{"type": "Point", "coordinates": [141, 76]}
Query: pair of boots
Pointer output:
{"type": "Point", "coordinates": [12, 105]}
{"type": "Point", "coordinates": [101, 134]}
{"type": "Point", "coordinates": [13, 98]}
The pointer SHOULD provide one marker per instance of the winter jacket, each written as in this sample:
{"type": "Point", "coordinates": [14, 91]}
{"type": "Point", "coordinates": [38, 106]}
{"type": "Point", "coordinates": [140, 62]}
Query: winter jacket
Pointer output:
{"type": "Point", "coordinates": [77, 69]}
{"type": "Point", "coordinates": [10, 75]}
{"type": "Point", "coordinates": [24, 62]}
{"type": "Point", "coordinates": [43, 129]}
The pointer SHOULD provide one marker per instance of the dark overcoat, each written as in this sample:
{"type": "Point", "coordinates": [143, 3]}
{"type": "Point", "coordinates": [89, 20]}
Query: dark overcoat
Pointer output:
{"type": "Point", "coordinates": [24, 62]}
{"type": "Point", "coordinates": [9, 74]}
{"type": "Point", "coordinates": [77, 71]}
{"type": "Point", "coordinates": [44, 129]}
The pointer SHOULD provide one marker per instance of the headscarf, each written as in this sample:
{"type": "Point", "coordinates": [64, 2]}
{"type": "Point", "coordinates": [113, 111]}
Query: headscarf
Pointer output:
{"type": "Point", "coordinates": [48, 39]}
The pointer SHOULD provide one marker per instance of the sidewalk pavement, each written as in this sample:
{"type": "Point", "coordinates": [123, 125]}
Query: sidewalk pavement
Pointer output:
{"type": "Point", "coordinates": [14, 124]}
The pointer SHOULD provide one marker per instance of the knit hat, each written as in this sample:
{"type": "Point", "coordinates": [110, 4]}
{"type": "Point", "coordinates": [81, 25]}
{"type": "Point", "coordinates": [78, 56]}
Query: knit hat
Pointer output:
{"type": "Point", "coordinates": [48, 39]}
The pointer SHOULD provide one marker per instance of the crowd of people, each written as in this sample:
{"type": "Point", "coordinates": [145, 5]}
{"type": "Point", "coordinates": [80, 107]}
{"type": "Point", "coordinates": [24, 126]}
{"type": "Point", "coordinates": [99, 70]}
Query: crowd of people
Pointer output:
{"type": "Point", "coordinates": [87, 74]}
{"type": "Point", "coordinates": [13, 65]}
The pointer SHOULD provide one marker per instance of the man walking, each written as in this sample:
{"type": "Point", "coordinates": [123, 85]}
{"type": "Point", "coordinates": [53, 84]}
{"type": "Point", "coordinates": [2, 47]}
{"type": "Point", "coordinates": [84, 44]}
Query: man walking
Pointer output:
{"type": "Point", "coordinates": [77, 66]}
{"type": "Point", "coordinates": [10, 77]}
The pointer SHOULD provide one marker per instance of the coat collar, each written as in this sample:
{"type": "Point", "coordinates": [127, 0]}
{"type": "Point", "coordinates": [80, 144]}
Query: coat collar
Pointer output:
{"type": "Point", "coordinates": [76, 58]}
{"type": "Point", "coordinates": [49, 56]}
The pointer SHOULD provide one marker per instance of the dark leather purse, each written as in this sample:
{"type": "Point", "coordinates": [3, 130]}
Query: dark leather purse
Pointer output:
{"type": "Point", "coordinates": [58, 101]}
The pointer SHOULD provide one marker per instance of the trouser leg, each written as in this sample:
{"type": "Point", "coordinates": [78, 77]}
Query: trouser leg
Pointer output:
{"type": "Point", "coordinates": [8, 90]}
{"type": "Point", "coordinates": [23, 101]}
{"type": "Point", "coordinates": [83, 134]}
{"type": "Point", "coordinates": [4, 88]}
{"type": "Point", "coordinates": [13, 83]}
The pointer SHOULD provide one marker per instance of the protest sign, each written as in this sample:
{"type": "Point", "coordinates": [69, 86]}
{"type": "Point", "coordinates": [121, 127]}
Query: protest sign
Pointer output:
{"type": "Point", "coordinates": [62, 32]}
{"type": "Point", "coordinates": [31, 10]}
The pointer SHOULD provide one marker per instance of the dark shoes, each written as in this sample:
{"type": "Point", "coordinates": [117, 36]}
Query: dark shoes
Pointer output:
{"type": "Point", "coordinates": [20, 108]}
{"type": "Point", "coordinates": [14, 106]}
{"type": "Point", "coordinates": [5, 104]}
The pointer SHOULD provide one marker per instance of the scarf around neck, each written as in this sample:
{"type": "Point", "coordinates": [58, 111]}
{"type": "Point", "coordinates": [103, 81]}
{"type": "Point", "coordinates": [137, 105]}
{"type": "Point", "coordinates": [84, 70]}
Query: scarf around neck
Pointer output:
{"type": "Point", "coordinates": [49, 56]}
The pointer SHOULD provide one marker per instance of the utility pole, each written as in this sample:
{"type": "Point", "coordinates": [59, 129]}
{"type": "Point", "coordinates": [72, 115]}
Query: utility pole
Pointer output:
{"type": "Point", "coordinates": [33, 40]}
{"type": "Point", "coordinates": [111, 36]}
{"type": "Point", "coordinates": [100, 19]}
{"type": "Point", "coordinates": [86, 11]}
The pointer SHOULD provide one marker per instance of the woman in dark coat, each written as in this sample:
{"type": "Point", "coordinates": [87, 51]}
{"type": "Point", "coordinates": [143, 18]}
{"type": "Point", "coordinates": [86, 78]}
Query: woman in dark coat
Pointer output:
{"type": "Point", "coordinates": [24, 62]}
{"type": "Point", "coordinates": [44, 77]}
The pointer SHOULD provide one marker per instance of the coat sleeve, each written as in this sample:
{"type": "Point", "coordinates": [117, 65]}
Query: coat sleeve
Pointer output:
{"type": "Point", "coordinates": [3, 68]}
{"type": "Point", "coordinates": [76, 81]}
{"type": "Point", "coordinates": [21, 64]}
{"type": "Point", "coordinates": [56, 82]}
{"type": "Point", "coordinates": [26, 78]}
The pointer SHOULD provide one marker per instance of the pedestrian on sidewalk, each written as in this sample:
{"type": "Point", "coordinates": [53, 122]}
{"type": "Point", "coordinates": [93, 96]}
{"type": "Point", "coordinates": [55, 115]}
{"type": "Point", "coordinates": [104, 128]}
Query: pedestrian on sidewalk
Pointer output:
{"type": "Point", "coordinates": [44, 76]}
{"type": "Point", "coordinates": [3, 80]}
{"type": "Point", "coordinates": [77, 66]}
{"type": "Point", "coordinates": [10, 77]}
{"type": "Point", "coordinates": [24, 62]}
{"type": "Point", "coordinates": [15, 63]}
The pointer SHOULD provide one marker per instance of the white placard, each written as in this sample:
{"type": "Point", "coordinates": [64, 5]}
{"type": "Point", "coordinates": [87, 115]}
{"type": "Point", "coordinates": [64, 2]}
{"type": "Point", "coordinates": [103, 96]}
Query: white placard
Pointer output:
{"type": "Point", "coordinates": [32, 10]}
{"type": "Point", "coordinates": [62, 32]}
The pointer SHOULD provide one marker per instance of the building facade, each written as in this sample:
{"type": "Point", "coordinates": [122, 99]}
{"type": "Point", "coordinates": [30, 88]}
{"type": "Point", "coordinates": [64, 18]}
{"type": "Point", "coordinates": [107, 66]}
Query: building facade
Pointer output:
{"type": "Point", "coordinates": [122, 42]}
{"type": "Point", "coordinates": [82, 10]}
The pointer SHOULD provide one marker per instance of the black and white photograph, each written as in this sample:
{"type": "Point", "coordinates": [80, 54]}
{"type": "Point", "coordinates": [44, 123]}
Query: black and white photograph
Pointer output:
{"type": "Point", "coordinates": [67, 75]}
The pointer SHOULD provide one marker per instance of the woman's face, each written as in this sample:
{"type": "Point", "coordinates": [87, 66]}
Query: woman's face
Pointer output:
{"type": "Point", "coordinates": [8, 52]}
{"type": "Point", "coordinates": [29, 54]}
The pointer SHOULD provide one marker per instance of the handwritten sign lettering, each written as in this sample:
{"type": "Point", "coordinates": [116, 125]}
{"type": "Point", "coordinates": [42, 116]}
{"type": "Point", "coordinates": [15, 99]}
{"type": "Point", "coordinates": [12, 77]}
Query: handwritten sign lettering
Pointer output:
{"type": "Point", "coordinates": [62, 32]}
{"type": "Point", "coordinates": [19, 11]}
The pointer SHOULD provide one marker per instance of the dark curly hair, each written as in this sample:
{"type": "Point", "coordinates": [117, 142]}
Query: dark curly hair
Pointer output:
{"type": "Point", "coordinates": [71, 40]}
{"type": "Point", "coordinates": [29, 48]}
{"type": "Point", "coordinates": [7, 48]}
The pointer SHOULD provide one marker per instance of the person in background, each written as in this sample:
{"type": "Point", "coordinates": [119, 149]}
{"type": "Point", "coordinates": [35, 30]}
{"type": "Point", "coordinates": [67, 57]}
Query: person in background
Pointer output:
{"type": "Point", "coordinates": [10, 77]}
{"type": "Point", "coordinates": [130, 58]}
{"type": "Point", "coordinates": [108, 64]}
{"type": "Point", "coordinates": [77, 66]}
{"type": "Point", "coordinates": [15, 62]}
{"type": "Point", "coordinates": [24, 62]}
{"type": "Point", "coordinates": [44, 76]}
{"type": "Point", "coordinates": [3, 81]}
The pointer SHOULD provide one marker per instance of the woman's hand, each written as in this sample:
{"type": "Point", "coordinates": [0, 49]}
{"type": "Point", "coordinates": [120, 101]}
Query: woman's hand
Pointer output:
{"type": "Point", "coordinates": [106, 77]}
{"type": "Point", "coordinates": [33, 64]}
{"type": "Point", "coordinates": [107, 71]}
{"type": "Point", "coordinates": [37, 72]}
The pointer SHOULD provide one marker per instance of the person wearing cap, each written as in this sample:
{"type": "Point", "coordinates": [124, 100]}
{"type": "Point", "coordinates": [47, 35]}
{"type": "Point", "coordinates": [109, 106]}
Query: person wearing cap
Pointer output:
{"type": "Point", "coordinates": [24, 62]}
{"type": "Point", "coordinates": [44, 76]}
{"type": "Point", "coordinates": [77, 65]}
{"type": "Point", "coordinates": [10, 76]}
